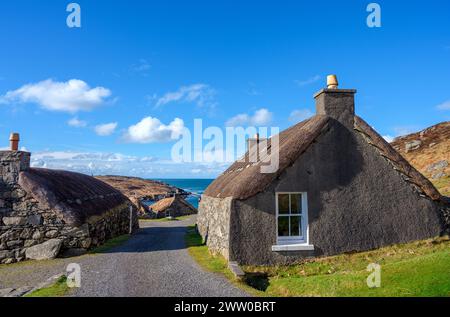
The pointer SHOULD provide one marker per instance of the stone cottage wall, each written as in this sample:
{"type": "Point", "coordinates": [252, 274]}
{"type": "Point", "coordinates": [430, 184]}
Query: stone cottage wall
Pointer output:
{"type": "Point", "coordinates": [356, 202]}
{"type": "Point", "coordinates": [24, 223]}
{"type": "Point", "coordinates": [213, 223]}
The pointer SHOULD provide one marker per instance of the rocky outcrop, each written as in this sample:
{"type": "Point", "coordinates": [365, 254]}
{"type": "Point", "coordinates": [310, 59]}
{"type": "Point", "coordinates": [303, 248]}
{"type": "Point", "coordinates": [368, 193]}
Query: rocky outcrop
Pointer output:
{"type": "Point", "coordinates": [139, 189]}
{"type": "Point", "coordinates": [429, 152]}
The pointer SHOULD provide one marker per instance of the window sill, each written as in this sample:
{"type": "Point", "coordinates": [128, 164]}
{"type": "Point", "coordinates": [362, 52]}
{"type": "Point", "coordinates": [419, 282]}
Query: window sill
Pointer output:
{"type": "Point", "coordinates": [293, 247]}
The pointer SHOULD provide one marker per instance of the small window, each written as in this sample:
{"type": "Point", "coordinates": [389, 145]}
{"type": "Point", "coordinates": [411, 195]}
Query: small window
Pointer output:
{"type": "Point", "coordinates": [291, 218]}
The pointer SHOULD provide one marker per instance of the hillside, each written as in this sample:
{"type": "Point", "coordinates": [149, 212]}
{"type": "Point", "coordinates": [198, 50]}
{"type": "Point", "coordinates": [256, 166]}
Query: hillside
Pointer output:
{"type": "Point", "coordinates": [429, 152]}
{"type": "Point", "coordinates": [137, 189]}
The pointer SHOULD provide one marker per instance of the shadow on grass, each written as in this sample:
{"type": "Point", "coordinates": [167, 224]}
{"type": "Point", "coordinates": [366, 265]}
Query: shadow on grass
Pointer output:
{"type": "Point", "coordinates": [258, 281]}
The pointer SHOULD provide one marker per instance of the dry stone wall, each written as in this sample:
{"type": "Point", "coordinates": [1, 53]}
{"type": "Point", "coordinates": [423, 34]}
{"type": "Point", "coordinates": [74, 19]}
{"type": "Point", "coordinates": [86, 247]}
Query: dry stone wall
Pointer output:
{"type": "Point", "coordinates": [31, 231]}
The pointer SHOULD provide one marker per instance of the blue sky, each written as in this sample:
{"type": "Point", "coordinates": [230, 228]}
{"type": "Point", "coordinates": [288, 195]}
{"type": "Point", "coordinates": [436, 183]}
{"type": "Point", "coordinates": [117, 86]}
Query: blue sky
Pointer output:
{"type": "Point", "coordinates": [90, 89]}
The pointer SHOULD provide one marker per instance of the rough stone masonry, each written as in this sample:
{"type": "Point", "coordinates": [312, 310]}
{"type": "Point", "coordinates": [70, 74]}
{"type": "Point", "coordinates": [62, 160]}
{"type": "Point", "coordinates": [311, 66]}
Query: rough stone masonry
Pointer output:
{"type": "Point", "coordinates": [55, 210]}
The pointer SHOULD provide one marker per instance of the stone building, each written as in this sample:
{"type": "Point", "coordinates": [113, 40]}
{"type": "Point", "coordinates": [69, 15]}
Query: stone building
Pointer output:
{"type": "Point", "coordinates": [340, 187]}
{"type": "Point", "coordinates": [43, 212]}
{"type": "Point", "coordinates": [174, 206]}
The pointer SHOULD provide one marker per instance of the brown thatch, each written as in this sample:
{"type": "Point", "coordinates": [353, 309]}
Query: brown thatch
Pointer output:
{"type": "Point", "coordinates": [399, 163]}
{"type": "Point", "coordinates": [244, 179]}
{"type": "Point", "coordinates": [75, 197]}
{"type": "Point", "coordinates": [173, 206]}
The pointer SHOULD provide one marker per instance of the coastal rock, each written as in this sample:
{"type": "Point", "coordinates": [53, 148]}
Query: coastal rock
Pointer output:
{"type": "Point", "coordinates": [44, 251]}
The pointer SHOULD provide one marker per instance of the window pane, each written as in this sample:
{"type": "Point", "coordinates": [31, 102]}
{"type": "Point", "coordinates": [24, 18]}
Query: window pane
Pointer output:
{"type": "Point", "coordinates": [283, 204]}
{"type": "Point", "coordinates": [283, 226]}
{"type": "Point", "coordinates": [296, 227]}
{"type": "Point", "coordinates": [296, 203]}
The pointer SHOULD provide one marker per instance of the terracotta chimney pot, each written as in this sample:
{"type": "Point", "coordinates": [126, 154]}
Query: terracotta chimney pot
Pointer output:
{"type": "Point", "coordinates": [14, 139]}
{"type": "Point", "coordinates": [332, 82]}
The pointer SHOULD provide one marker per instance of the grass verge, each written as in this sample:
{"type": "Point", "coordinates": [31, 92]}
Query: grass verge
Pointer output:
{"type": "Point", "coordinates": [111, 243]}
{"type": "Point", "coordinates": [58, 289]}
{"type": "Point", "coordinates": [407, 270]}
{"type": "Point", "coordinates": [212, 263]}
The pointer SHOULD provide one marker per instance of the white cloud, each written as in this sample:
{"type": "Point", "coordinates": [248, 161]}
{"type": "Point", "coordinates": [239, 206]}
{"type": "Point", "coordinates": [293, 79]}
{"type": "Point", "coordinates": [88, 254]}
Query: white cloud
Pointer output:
{"type": "Point", "coordinates": [71, 96]}
{"type": "Point", "coordinates": [308, 81]}
{"type": "Point", "coordinates": [101, 163]}
{"type": "Point", "coordinates": [300, 115]}
{"type": "Point", "coordinates": [106, 129]}
{"type": "Point", "coordinates": [143, 66]}
{"type": "Point", "coordinates": [389, 138]}
{"type": "Point", "coordinates": [444, 106]}
{"type": "Point", "coordinates": [75, 122]}
{"type": "Point", "coordinates": [261, 117]}
{"type": "Point", "coordinates": [200, 94]}
{"type": "Point", "coordinates": [152, 130]}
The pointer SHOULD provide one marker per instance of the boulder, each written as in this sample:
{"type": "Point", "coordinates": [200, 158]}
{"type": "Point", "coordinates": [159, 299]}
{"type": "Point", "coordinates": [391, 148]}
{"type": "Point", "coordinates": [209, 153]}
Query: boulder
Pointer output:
{"type": "Point", "coordinates": [44, 251]}
{"type": "Point", "coordinates": [413, 145]}
{"type": "Point", "coordinates": [14, 221]}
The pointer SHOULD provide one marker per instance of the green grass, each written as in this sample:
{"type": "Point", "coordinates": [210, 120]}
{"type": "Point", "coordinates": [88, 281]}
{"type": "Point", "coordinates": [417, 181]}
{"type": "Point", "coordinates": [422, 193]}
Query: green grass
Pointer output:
{"type": "Point", "coordinates": [166, 219]}
{"type": "Point", "coordinates": [413, 269]}
{"type": "Point", "coordinates": [212, 263]}
{"type": "Point", "coordinates": [58, 289]}
{"type": "Point", "coordinates": [111, 243]}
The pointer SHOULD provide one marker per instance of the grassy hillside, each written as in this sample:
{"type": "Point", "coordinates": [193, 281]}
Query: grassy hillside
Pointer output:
{"type": "Point", "coordinates": [429, 152]}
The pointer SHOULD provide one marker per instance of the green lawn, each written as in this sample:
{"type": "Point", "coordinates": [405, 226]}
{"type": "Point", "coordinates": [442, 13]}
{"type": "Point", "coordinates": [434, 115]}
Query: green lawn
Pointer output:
{"type": "Point", "coordinates": [58, 289]}
{"type": "Point", "coordinates": [212, 263]}
{"type": "Point", "coordinates": [414, 269]}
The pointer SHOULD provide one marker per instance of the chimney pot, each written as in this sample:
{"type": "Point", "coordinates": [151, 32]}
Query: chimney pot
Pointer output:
{"type": "Point", "coordinates": [332, 82]}
{"type": "Point", "coordinates": [14, 139]}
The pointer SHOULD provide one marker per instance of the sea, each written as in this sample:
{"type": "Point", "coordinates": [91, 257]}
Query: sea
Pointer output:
{"type": "Point", "coordinates": [194, 186]}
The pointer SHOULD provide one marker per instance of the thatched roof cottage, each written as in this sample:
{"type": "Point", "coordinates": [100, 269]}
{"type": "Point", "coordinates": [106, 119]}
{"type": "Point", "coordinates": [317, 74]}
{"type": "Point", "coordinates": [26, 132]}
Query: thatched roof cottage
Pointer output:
{"type": "Point", "coordinates": [43, 212]}
{"type": "Point", "coordinates": [340, 187]}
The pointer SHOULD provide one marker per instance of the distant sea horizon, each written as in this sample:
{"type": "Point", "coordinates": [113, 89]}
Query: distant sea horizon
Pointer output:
{"type": "Point", "coordinates": [196, 186]}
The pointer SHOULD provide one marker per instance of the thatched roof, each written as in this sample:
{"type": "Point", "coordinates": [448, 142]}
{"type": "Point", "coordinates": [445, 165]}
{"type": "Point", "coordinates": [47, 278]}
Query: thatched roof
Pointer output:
{"type": "Point", "coordinates": [75, 197]}
{"type": "Point", "coordinates": [176, 202]}
{"type": "Point", "coordinates": [244, 179]}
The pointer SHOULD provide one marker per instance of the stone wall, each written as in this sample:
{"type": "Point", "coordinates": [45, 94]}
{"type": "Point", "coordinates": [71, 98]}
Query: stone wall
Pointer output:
{"type": "Point", "coordinates": [213, 222]}
{"type": "Point", "coordinates": [26, 226]}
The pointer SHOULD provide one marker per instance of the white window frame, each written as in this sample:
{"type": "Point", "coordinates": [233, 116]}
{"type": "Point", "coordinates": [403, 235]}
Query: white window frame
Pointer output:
{"type": "Point", "coordinates": [296, 243]}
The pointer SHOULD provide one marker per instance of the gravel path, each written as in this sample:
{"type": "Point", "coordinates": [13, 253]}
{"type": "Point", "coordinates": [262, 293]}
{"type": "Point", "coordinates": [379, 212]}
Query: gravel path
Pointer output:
{"type": "Point", "coordinates": [153, 262]}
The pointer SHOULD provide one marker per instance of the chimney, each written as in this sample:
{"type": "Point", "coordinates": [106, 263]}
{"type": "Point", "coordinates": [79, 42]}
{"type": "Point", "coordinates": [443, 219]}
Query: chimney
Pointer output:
{"type": "Point", "coordinates": [14, 139]}
{"type": "Point", "coordinates": [336, 103]}
{"type": "Point", "coordinates": [254, 147]}
{"type": "Point", "coordinates": [13, 162]}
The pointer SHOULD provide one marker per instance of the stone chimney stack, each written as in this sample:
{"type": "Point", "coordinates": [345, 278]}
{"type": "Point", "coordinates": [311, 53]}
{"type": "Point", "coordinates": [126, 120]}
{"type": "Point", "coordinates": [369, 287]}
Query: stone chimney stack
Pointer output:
{"type": "Point", "coordinates": [254, 147]}
{"type": "Point", "coordinates": [13, 162]}
{"type": "Point", "coordinates": [336, 103]}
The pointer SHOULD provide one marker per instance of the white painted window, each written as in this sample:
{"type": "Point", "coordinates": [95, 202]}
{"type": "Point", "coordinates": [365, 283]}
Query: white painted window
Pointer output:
{"type": "Point", "coordinates": [292, 218]}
